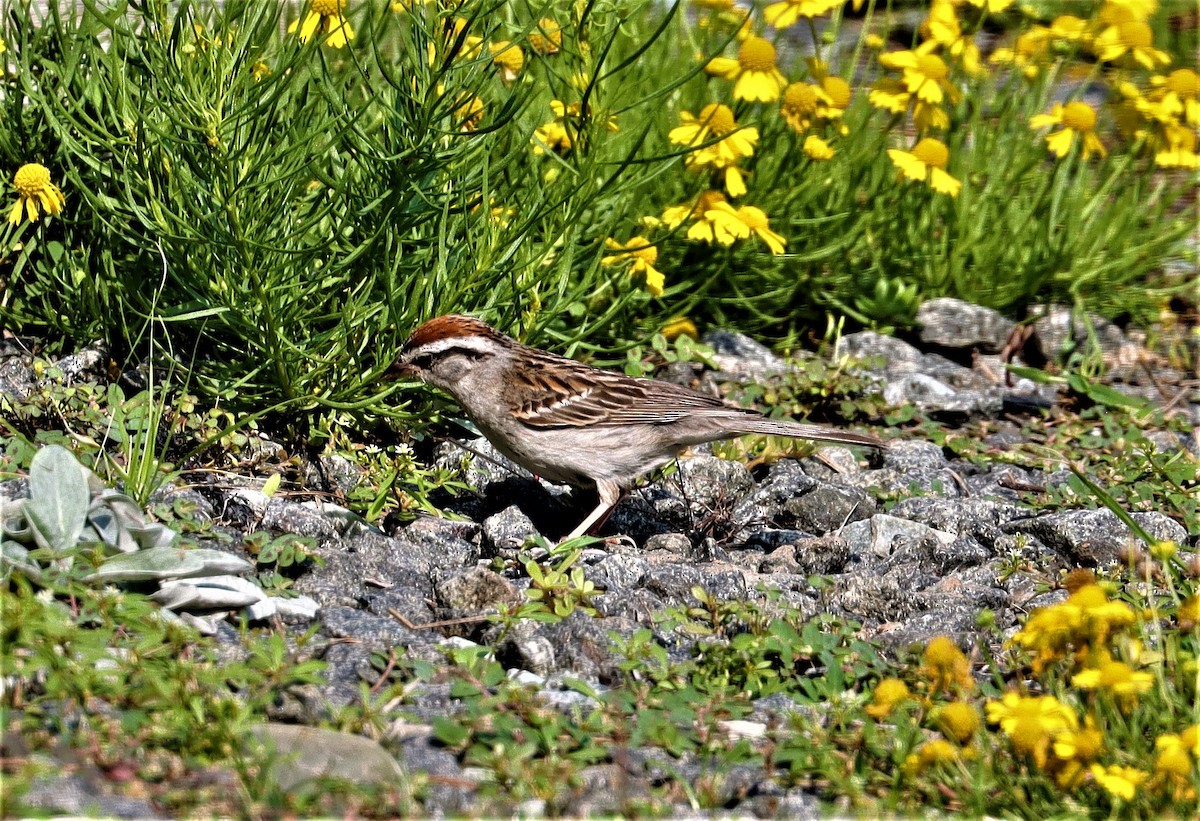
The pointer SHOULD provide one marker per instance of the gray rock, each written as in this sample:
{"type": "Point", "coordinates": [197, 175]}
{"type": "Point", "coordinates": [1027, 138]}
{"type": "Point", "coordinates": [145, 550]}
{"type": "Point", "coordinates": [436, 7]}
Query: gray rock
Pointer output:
{"type": "Point", "coordinates": [301, 608]}
{"type": "Point", "coordinates": [298, 755]}
{"type": "Point", "coordinates": [1094, 537]}
{"type": "Point", "coordinates": [506, 532]}
{"type": "Point", "coordinates": [618, 572]}
{"type": "Point", "coordinates": [873, 598]}
{"type": "Point", "coordinates": [1059, 329]}
{"type": "Point", "coordinates": [676, 543]}
{"type": "Point", "coordinates": [764, 504]}
{"type": "Point", "coordinates": [89, 364]}
{"type": "Point", "coordinates": [261, 610]}
{"type": "Point", "coordinates": [828, 507]}
{"type": "Point", "coordinates": [333, 472]}
{"type": "Point", "coordinates": [934, 396]}
{"type": "Point", "coordinates": [73, 795]}
{"type": "Point", "coordinates": [738, 354]}
{"type": "Point", "coordinates": [877, 537]}
{"type": "Point", "coordinates": [962, 517]}
{"type": "Point", "coordinates": [475, 591]}
{"type": "Point", "coordinates": [707, 487]}
{"type": "Point", "coordinates": [290, 517]}
{"type": "Point", "coordinates": [953, 323]}
{"type": "Point", "coordinates": [376, 631]}
{"type": "Point", "coordinates": [449, 791]}
{"type": "Point", "coordinates": [896, 355]}
{"type": "Point", "coordinates": [524, 647]}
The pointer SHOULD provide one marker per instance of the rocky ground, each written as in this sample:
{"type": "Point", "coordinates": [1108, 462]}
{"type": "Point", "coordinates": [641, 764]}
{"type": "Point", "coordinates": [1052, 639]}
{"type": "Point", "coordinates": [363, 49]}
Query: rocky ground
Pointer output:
{"type": "Point", "coordinates": [911, 542]}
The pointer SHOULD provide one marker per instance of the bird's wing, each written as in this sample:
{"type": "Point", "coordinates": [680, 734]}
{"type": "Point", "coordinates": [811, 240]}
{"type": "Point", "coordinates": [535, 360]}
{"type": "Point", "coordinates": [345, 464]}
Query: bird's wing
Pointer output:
{"type": "Point", "coordinates": [564, 393]}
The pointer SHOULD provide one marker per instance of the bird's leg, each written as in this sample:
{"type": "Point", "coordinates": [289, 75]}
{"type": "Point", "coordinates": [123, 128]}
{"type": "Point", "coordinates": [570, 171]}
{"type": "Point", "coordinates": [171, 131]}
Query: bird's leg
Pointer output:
{"type": "Point", "coordinates": [609, 494]}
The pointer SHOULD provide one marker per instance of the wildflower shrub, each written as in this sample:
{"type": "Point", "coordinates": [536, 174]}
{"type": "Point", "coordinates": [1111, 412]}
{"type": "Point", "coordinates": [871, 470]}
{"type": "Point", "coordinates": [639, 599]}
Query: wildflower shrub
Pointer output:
{"type": "Point", "coordinates": [1092, 705]}
{"type": "Point", "coordinates": [286, 190]}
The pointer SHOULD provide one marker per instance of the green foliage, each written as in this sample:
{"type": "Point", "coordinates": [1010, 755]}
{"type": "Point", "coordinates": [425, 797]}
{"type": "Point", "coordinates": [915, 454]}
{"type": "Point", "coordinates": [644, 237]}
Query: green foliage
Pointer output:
{"type": "Point", "coordinates": [68, 513]}
{"type": "Point", "coordinates": [106, 671]}
{"type": "Point", "coordinates": [280, 557]}
{"type": "Point", "coordinates": [559, 590]}
{"type": "Point", "coordinates": [285, 209]}
{"type": "Point", "coordinates": [280, 213]}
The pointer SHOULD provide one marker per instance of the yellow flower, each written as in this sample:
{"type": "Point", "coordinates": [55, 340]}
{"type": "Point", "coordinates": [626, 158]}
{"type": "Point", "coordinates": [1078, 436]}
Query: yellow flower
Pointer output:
{"type": "Point", "coordinates": [927, 163]}
{"type": "Point", "coordinates": [33, 185]}
{"type": "Point", "coordinates": [930, 754]}
{"type": "Point", "coordinates": [469, 112]}
{"type": "Point", "coordinates": [924, 74]}
{"type": "Point", "coordinates": [1173, 769]}
{"type": "Point", "coordinates": [1120, 781]}
{"type": "Point", "coordinates": [756, 220]}
{"type": "Point", "coordinates": [559, 134]}
{"type": "Point", "coordinates": [804, 102]}
{"type": "Point", "coordinates": [991, 6]}
{"type": "Point", "coordinates": [782, 15]}
{"type": "Point", "coordinates": [1115, 676]}
{"type": "Point", "coordinates": [509, 58]}
{"type": "Point", "coordinates": [944, 665]}
{"type": "Point", "coordinates": [888, 693]}
{"type": "Point", "coordinates": [460, 43]}
{"type": "Point", "coordinates": [958, 721]}
{"type": "Point", "coordinates": [817, 149]}
{"type": "Point", "coordinates": [1132, 40]}
{"type": "Point", "coordinates": [942, 27]}
{"type": "Point", "coordinates": [260, 70]}
{"type": "Point", "coordinates": [713, 219]}
{"type": "Point", "coordinates": [1189, 612]}
{"type": "Point", "coordinates": [1176, 96]}
{"type": "Point", "coordinates": [643, 255]}
{"type": "Point", "coordinates": [1032, 724]}
{"type": "Point", "coordinates": [679, 326]}
{"type": "Point", "coordinates": [758, 80]}
{"type": "Point", "coordinates": [1029, 52]}
{"type": "Point", "coordinates": [1074, 750]}
{"type": "Point", "coordinates": [1068, 28]}
{"type": "Point", "coordinates": [1080, 745]}
{"type": "Point", "coordinates": [1077, 119]}
{"type": "Point", "coordinates": [547, 39]}
{"type": "Point", "coordinates": [327, 15]}
{"type": "Point", "coordinates": [718, 140]}
{"type": "Point", "coordinates": [3, 47]}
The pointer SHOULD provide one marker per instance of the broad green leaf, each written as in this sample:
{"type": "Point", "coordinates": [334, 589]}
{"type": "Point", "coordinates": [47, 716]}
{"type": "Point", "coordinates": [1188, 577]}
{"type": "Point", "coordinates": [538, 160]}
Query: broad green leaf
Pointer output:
{"type": "Point", "coordinates": [58, 498]}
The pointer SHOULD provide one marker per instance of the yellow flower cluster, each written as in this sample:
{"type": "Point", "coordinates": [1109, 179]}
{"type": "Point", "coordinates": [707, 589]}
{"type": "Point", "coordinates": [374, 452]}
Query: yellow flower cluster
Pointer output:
{"type": "Point", "coordinates": [1067, 737]}
{"type": "Point", "coordinates": [1161, 115]}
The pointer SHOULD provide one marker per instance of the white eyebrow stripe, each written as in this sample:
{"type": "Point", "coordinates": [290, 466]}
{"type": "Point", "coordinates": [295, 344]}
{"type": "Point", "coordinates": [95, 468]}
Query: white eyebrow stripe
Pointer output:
{"type": "Point", "coordinates": [460, 342]}
{"type": "Point", "coordinates": [562, 403]}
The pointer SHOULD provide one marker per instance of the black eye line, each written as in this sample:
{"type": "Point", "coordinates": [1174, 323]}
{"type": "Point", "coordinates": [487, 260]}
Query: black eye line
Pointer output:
{"type": "Point", "coordinates": [426, 360]}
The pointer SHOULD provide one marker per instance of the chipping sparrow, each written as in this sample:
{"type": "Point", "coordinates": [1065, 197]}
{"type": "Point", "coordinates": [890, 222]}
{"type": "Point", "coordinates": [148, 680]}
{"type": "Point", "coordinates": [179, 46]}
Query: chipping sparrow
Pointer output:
{"type": "Point", "coordinates": [574, 424]}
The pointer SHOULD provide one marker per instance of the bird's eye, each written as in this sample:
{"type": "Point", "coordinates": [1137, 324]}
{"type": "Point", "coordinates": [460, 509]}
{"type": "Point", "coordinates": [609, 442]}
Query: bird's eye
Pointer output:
{"type": "Point", "coordinates": [424, 361]}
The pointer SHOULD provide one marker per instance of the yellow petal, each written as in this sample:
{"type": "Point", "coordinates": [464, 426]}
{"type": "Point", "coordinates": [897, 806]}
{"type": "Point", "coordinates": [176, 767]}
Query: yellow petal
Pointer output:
{"type": "Point", "coordinates": [781, 15]}
{"type": "Point", "coordinates": [1059, 142]}
{"type": "Point", "coordinates": [909, 166]}
{"type": "Point", "coordinates": [654, 281]}
{"type": "Point", "coordinates": [310, 26]}
{"type": "Point", "coordinates": [941, 181]}
{"type": "Point", "coordinates": [734, 184]}
{"type": "Point", "coordinates": [14, 216]}
{"type": "Point", "coordinates": [725, 67]}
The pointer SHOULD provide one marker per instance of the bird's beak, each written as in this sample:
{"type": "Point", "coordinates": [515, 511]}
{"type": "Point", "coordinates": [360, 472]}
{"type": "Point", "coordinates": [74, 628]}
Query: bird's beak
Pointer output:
{"type": "Point", "coordinates": [400, 370]}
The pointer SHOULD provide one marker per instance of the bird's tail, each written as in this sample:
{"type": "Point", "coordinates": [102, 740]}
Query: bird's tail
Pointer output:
{"type": "Point", "coordinates": [817, 433]}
